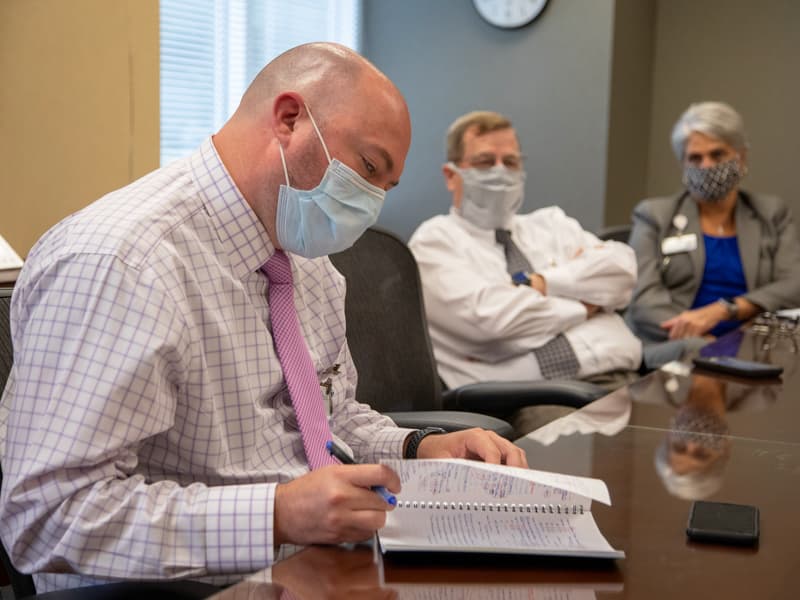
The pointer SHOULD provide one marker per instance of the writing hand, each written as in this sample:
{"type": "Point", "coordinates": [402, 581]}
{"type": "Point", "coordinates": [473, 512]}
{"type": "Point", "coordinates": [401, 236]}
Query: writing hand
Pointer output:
{"type": "Point", "coordinates": [333, 504]}
{"type": "Point", "coordinates": [475, 444]}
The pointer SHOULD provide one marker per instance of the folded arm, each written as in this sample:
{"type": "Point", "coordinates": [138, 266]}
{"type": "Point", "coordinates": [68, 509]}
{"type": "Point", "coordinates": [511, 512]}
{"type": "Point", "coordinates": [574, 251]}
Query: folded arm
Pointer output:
{"type": "Point", "coordinates": [602, 274]}
{"type": "Point", "coordinates": [491, 317]}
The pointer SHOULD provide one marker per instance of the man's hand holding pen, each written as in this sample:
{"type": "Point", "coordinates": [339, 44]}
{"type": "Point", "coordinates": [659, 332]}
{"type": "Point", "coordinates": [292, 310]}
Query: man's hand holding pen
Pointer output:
{"type": "Point", "coordinates": [349, 502]}
{"type": "Point", "coordinates": [333, 504]}
{"type": "Point", "coordinates": [343, 457]}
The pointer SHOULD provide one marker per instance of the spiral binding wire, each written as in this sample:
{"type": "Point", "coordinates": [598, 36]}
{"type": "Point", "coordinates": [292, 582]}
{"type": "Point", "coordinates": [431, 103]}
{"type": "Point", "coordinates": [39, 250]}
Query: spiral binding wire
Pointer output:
{"type": "Point", "coordinates": [504, 507]}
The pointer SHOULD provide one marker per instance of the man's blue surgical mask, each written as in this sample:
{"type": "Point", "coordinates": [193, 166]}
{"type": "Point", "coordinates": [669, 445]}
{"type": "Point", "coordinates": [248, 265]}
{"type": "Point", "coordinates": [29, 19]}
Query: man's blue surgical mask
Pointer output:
{"type": "Point", "coordinates": [330, 217]}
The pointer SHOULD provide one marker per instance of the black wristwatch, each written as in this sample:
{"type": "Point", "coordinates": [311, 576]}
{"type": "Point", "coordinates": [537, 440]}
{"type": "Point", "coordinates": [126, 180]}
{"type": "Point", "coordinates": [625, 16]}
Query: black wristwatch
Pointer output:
{"type": "Point", "coordinates": [731, 306]}
{"type": "Point", "coordinates": [415, 438]}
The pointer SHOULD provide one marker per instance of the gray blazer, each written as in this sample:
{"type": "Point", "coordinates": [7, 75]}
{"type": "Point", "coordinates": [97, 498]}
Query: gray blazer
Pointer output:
{"type": "Point", "coordinates": [768, 246]}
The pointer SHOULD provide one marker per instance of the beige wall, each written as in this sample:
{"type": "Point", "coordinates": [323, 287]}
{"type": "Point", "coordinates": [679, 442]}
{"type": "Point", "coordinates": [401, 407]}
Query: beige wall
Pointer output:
{"type": "Point", "coordinates": [78, 106]}
{"type": "Point", "coordinates": [745, 53]}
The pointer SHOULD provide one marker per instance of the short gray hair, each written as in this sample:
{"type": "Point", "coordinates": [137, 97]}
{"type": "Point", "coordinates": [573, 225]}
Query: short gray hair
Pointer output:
{"type": "Point", "coordinates": [715, 119]}
{"type": "Point", "coordinates": [690, 486]}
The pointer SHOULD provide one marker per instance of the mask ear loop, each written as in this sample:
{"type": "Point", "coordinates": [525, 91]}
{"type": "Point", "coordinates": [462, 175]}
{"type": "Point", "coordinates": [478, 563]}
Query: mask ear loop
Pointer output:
{"type": "Point", "coordinates": [319, 135]}
{"type": "Point", "coordinates": [283, 160]}
{"type": "Point", "coordinates": [742, 165]}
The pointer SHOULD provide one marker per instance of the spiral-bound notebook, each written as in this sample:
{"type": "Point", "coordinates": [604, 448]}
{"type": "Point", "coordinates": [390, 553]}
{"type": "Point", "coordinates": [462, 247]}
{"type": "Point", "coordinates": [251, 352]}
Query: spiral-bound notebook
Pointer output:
{"type": "Point", "coordinates": [455, 505]}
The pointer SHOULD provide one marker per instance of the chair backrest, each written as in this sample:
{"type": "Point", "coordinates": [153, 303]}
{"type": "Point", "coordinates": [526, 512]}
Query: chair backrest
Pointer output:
{"type": "Point", "coordinates": [21, 584]}
{"type": "Point", "coordinates": [617, 233]}
{"type": "Point", "coordinates": [386, 326]}
{"type": "Point", "coordinates": [6, 353]}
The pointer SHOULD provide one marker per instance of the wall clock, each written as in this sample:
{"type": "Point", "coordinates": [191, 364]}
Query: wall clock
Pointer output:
{"type": "Point", "coordinates": [509, 14]}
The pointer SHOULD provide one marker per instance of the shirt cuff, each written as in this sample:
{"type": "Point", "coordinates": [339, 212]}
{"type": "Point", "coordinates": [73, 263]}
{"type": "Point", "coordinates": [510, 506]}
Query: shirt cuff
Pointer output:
{"type": "Point", "coordinates": [560, 282]}
{"type": "Point", "coordinates": [239, 528]}
{"type": "Point", "coordinates": [388, 443]}
{"type": "Point", "coordinates": [568, 313]}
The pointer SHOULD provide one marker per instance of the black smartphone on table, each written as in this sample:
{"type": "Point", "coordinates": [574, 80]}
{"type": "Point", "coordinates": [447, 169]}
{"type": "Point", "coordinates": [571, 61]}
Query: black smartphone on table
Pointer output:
{"type": "Point", "coordinates": [723, 523]}
{"type": "Point", "coordinates": [737, 366]}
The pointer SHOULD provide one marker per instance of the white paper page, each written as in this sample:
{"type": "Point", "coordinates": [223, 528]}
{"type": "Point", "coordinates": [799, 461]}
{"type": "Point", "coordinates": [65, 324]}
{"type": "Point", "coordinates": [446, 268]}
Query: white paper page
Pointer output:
{"type": "Point", "coordinates": [791, 313]}
{"type": "Point", "coordinates": [454, 480]}
{"type": "Point", "coordinates": [8, 258]}
{"type": "Point", "coordinates": [485, 531]}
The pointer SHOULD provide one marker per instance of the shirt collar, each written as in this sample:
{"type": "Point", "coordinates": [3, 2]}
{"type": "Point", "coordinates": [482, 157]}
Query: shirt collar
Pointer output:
{"type": "Point", "coordinates": [239, 229]}
{"type": "Point", "coordinates": [473, 229]}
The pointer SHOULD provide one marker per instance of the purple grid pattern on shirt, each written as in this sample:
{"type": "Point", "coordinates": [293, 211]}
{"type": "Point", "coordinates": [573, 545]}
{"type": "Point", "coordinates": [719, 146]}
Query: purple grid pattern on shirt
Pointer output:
{"type": "Point", "coordinates": [147, 416]}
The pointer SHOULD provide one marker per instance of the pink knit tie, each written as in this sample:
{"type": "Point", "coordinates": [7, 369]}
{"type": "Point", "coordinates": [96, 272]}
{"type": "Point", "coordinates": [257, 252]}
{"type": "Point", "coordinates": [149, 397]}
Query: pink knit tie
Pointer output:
{"type": "Point", "coordinates": [298, 369]}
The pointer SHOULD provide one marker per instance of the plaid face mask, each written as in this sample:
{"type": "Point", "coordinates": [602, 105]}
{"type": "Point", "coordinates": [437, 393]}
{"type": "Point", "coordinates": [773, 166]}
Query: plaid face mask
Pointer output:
{"type": "Point", "coordinates": [712, 183]}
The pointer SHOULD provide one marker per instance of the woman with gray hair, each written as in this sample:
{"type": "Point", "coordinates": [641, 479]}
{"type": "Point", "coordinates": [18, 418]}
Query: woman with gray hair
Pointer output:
{"type": "Point", "coordinates": [713, 255]}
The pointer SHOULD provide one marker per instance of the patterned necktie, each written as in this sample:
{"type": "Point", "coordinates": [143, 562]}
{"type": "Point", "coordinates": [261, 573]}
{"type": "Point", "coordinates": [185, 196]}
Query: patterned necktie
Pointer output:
{"type": "Point", "coordinates": [298, 368]}
{"type": "Point", "coordinates": [556, 358]}
{"type": "Point", "coordinates": [515, 259]}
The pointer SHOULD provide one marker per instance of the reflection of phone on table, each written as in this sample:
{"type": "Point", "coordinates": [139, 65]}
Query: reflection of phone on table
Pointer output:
{"type": "Point", "coordinates": [737, 366]}
{"type": "Point", "coordinates": [723, 523]}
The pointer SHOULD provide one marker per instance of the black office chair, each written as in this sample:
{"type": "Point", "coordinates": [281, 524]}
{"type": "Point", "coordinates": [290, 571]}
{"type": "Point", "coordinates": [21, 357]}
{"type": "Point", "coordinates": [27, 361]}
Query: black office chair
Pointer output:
{"type": "Point", "coordinates": [21, 584]}
{"type": "Point", "coordinates": [388, 336]}
{"type": "Point", "coordinates": [617, 233]}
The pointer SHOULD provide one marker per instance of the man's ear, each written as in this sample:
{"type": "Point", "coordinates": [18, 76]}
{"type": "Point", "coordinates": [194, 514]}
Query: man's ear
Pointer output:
{"type": "Point", "coordinates": [286, 110]}
{"type": "Point", "coordinates": [449, 176]}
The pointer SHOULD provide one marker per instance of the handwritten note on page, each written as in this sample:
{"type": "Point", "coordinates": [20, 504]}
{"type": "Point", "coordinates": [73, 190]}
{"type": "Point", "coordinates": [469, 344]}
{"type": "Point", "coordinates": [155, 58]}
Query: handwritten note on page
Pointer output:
{"type": "Point", "coordinates": [458, 505]}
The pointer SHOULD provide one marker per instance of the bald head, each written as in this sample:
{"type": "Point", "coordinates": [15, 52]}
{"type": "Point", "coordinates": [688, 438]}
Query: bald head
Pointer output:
{"type": "Point", "coordinates": [361, 116]}
{"type": "Point", "coordinates": [327, 75]}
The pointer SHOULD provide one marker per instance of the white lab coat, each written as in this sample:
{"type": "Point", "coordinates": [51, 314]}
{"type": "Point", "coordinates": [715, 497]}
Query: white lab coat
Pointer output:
{"type": "Point", "coordinates": [483, 327]}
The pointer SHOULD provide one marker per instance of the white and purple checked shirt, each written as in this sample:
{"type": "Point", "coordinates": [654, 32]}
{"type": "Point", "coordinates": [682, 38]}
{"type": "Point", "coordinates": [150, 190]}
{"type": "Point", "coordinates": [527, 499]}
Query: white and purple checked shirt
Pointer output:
{"type": "Point", "coordinates": [147, 417]}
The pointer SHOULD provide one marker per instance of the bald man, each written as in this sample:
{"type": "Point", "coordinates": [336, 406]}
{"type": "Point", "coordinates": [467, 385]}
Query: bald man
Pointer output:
{"type": "Point", "coordinates": [150, 431]}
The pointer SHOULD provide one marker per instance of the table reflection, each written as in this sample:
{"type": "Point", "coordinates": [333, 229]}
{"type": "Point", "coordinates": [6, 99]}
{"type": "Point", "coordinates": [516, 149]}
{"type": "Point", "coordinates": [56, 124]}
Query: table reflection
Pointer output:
{"type": "Point", "coordinates": [345, 573]}
{"type": "Point", "coordinates": [676, 385]}
{"type": "Point", "coordinates": [691, 408]}
{"type": "Point", "coordinates": [332, 573]}
{"type": "Point", "coordinates": [607, 416]}
{"type": "Point", "coordinates": [692, 456]}
{"type": "Point", "coordinates": [317, 573]}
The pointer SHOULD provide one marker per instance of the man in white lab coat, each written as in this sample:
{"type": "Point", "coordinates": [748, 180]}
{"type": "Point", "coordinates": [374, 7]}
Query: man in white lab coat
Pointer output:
{"type": "Point", "coordinates": [517, 297]}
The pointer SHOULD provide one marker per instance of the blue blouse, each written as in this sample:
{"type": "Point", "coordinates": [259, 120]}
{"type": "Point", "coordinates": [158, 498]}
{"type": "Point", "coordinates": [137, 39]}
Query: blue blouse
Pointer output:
{"type": "Point", "coordinates": [723, 277]}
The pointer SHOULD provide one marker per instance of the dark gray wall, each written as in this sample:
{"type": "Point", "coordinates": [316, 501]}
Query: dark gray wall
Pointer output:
{"type": "Point", "coordinates": [629, 114]}
{"type": "Point", "coordinates": [742, 52]}
{"type": "Point", "coordinates": [552, 78]}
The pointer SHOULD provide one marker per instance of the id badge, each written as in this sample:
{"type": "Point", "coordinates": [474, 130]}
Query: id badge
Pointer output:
{"type": "Point", "coordinates": [679, 243]}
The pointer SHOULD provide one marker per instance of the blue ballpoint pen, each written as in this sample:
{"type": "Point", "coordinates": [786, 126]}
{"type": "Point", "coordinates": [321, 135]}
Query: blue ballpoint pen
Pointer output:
{"type": "Point", "coordinates": [345, 459]}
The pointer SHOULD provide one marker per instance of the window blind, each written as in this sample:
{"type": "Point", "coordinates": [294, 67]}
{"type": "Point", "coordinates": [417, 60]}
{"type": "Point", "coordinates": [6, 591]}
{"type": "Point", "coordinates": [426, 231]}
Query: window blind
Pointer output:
{"type": "Point", "coordinates": [212, 49]}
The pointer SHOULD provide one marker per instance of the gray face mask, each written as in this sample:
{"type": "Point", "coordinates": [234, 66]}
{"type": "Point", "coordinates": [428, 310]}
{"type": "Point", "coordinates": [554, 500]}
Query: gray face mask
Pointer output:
{"type": "Point", "coordinates": [490, 197]}
{"type": "Point", "coordinates": [712, 184]}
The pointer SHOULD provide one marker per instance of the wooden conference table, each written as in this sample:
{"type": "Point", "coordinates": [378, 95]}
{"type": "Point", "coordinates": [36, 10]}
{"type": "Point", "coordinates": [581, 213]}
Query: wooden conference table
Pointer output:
{"type": "Point", "coordinates": [755, 431]}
